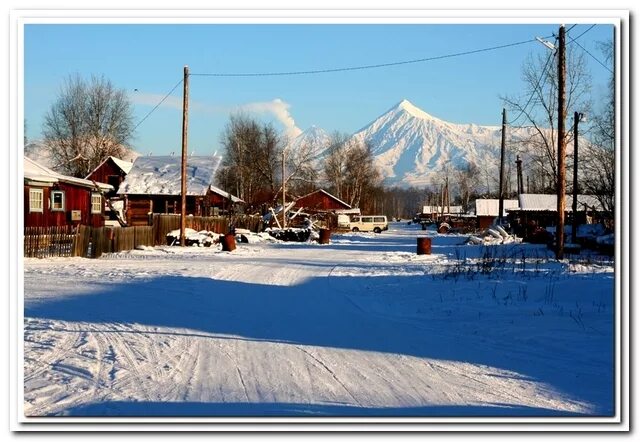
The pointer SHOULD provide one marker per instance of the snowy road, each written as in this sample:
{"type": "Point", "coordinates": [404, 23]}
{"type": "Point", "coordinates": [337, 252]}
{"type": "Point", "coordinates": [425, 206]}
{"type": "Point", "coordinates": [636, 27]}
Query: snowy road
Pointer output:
{"type": "Point", "coordinates": [360, 327]}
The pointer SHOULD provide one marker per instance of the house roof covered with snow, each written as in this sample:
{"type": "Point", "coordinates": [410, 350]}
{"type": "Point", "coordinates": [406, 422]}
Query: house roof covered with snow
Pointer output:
{"type": "Point", "coordinates": [227, 195]}
{"type": "Point", "coordinates": [38, 174]}
{"type": "Point", "coordinates": [489, 207]}
{"type": "Point", "coordinates": [539, 202]}
{"type": "Point", "coordinates": [161, 175]}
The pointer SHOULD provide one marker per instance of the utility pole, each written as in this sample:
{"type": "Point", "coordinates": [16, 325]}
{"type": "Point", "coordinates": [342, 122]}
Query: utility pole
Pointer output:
{"type": "Point", "coordinates": [284, 215]}
{"type": "Point", "coordinates": [502, 148]}
{"type": "Point", "coordinates": [183, 181]}
{"type": "Point", "coordinates": [519, 172]}
{"type": "Point", "coordinates": [574, 225]}
{"type": "Point", "coordinates": [561, 183]}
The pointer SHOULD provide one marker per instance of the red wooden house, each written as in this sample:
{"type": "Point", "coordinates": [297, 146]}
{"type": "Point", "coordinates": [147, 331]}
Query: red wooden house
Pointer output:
{"type": "Point", "coordinates": [153, 185]}
{"type": "Point", "coordinates": [53, 199]}
{"type": "Point", "coordinates": [111, 171]}
{"type": "Point", "coordinates": [320, 201]}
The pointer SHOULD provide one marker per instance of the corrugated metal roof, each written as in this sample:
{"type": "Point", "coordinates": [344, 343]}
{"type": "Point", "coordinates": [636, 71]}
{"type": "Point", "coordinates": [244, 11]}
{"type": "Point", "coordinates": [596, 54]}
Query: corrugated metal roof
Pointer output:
{"type": "Point", "coordinates": [161, 175]}
{"type": "Point", "coordinates": [538, 202]}
{"type": "Point", "coordinates": [489, 207]}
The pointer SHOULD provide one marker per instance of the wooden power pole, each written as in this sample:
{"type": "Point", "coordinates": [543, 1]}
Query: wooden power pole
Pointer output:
{"type": "Point", "coordinates": [501, 184]}
{"type": "Point", "coordinates": [519, 172]}
{"type": "Point", "coordinates": [574, 206]}
{"type": "Point", "coordinates": [183, 180]}
{"type": "Point", "coordinates": [561, 183]}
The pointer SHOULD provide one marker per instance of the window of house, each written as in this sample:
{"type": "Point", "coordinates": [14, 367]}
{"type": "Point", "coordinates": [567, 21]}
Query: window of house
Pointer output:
{"type": "Point", "coordinates": [35, 200]}
{"type": "Point", "coordinates": [96, 203]}
{"type": "Point", "coordinates": [57, 200]}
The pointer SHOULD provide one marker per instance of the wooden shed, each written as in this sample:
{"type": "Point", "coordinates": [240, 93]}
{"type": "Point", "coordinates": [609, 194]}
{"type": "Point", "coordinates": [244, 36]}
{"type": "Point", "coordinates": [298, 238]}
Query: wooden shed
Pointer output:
{"type": "Point", "coordinates": [540, 210]}
{"type": "Point", "coordinates": [112, 171]}
{"type": "Point", "coordinates": [52, 199]}
{"type": "Point", "coordinates": [487, 210]}
{"type": "Point", "coordinates": [222, 202]}
{"type": "Point", "coordinates": [153, 185]}
{"type": "Point", "coordinates": [320, 201]}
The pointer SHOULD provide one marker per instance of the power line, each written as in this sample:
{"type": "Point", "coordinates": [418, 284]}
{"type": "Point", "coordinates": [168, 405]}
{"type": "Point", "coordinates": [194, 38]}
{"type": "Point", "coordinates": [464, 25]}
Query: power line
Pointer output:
{"type": "Point", "coordinates": [591, 55]}
{"type": "Point", "coordinates": [536, 88]}
{"type": "Point", "coordinates": [157, 105]}
{"type": "Point", "coordinates": [590, 28]}
{"type": "Point", "coordinates": [356, 68]}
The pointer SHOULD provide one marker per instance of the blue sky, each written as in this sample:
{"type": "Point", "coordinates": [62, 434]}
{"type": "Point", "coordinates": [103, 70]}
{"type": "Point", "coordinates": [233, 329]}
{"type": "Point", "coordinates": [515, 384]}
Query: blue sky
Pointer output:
{"type": "Point", "coordinates": [147, 61]}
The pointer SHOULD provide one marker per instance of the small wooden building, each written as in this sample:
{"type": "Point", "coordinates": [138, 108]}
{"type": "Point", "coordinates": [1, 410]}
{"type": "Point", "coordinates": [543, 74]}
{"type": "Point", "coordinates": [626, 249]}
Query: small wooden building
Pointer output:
{"type": "Point", "coordinates": [320, 201]}
{"type": "Point", "coordinates": [153, 185]}
{"type": "Point", "coordinates": [112, 171]}
{"type": "Point", "coordinates": [52, 199]}
{"type": "Point", "coordinates": [222, 202]}
{"type": "Point", "coordinates": [540, 210]}
{"type": "Point", "coordinates": [487, 210]}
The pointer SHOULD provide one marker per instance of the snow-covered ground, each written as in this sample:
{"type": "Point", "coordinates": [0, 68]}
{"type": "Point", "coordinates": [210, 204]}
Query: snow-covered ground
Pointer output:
{"type": "Point", "coordinates": [360, 327]}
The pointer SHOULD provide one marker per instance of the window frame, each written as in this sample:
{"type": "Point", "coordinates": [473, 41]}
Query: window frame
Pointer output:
{"type": "Point", "coordinates": [92, 211]}
{"type": "Point", "coordinates": [40, 192]}
{"type": "Point", "coordinates": [63, 203]}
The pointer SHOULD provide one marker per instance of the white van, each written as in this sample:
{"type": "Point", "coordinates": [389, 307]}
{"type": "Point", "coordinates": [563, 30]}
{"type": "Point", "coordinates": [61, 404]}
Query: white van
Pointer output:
{"type": "Point", "coordinates": [369, 223]}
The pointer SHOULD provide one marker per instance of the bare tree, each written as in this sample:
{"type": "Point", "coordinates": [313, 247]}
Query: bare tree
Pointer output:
{"type": "Point", "coordinates": [599, 156]}
{"type": "Point", "coordinates": [468, 182]}
{"type": "Point", "coordinates": [88, 122]}
{"type": "Point", "coordinates": [302, 168]}
{"type": "Point", "coordinates": [252, 159]}
{"type": "Point", "coordinates": [538, 107]}
{"type": "Point", "coordinates": [350, 170]}
{"type": "Point", "coordinates": [335, 162]}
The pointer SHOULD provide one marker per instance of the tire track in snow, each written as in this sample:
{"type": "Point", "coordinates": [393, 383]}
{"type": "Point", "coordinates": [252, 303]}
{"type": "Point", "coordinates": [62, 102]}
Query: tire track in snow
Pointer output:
{"type": "Point", "coordinates": [332, 373]}
{"type": "Point", "coordinates": [57, 354]}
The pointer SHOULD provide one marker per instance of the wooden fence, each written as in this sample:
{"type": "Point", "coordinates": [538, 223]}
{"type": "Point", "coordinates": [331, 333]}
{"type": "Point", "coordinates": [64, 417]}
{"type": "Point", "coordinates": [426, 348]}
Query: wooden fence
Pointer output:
{"type": "Point", "coordinates": [45, 242]}
{"type": "Point", "coordinates": [92, 242]}
{"type": "Point", "coordinates": [84, 241]}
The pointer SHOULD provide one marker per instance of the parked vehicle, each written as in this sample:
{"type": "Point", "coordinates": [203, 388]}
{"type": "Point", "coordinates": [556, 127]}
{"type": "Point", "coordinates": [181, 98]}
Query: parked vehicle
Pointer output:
{"type": "Point", "coordinates": [371, 223]}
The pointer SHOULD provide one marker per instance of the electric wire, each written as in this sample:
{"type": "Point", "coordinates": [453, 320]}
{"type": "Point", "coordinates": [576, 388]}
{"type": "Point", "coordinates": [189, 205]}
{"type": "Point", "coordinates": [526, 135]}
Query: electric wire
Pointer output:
{"type": "Point", "coordinates": [157, 105]}
{"type": "Point", "coordinates": [588, 29]}
{"type": "Point", "coordinates": [538, 86]}
{"type": "Point", "coordinates": [356, 68]}
{"type": "Point", "coordinates": [592, 56]}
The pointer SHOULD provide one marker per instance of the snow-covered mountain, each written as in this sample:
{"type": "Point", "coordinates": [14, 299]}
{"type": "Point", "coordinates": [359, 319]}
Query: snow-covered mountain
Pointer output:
{"type": "Point", "coordinates": [315, 138]}
{"type": "Point", "coordinates": [412, 147]}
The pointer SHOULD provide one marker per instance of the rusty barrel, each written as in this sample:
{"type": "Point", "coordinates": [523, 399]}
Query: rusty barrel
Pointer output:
{"type": "Point", "coordinates": [228, 242]}
{"type": "Point", "coordinates": [424, 246]}
{"type": "Point", "coordinates": [325, 236]}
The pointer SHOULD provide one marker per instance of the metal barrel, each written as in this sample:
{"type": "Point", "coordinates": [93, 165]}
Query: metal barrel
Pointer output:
{"type": "Point", "coordinates": [228, 242]}
{"type": "Point", "coordinates": [325, 236]}
{"type": "Point", "coordinates": [424, 246]}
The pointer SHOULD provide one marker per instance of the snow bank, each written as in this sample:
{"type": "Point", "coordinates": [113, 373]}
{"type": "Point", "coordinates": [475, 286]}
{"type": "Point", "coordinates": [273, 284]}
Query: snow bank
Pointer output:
{"type": "Point", "coordinates": [202, 238]}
